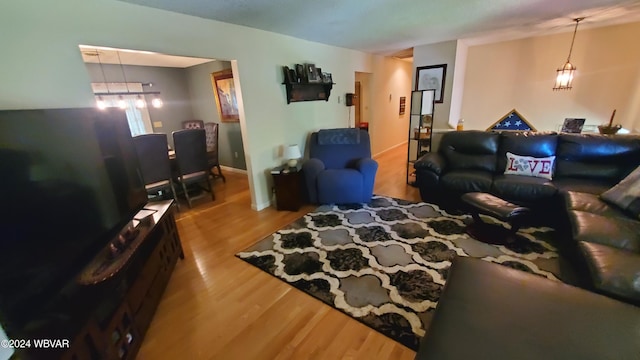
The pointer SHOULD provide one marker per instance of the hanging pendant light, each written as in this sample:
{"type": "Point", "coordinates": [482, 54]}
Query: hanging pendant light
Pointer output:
{"type": "Point", "coordinates": [121, 103]}
{"type": "Point", "coordinates": [156, 102]}
{"type": "Point", "coordinates": [564, 76]}
{"type": "Point", "coordinates": [103, 98]}
{"type": "Point", "coordinates": [100, 103]}
{"type": "Point", "coordinates": [140, 102]}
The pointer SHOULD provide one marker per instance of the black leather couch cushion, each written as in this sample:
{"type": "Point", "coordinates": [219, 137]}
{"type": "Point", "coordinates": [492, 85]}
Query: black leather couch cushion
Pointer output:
{"type": "Point", "coordinates": [596, 157]}
{"type": "Point", "coordinates": [522, 188]}
{"type": "Point", "coordinates": [591, 186]}
{"type": "Point", "coordinates": [525, 144]}
{"type": "Point", "coordinates": [432, 161]}
{"type": "Point", "coordinates": [463, 181]}
{"type": "Point", "coordinates": [613, 271]}
{"type": "Point", "coordinates": [470, 150]}
{"type": "Point", "coordinates": [620, 232]}
{"type": "Point", "coordinates": [488, 311]}
{"type": "Point", "coordinates": [590, 203]}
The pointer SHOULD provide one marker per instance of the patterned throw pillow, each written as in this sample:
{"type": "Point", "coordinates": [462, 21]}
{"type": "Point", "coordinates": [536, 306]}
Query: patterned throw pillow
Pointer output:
{"type": "Point", "coordinates": [626, 194]}
{"type": "Point", "coordinates": [530, 166]}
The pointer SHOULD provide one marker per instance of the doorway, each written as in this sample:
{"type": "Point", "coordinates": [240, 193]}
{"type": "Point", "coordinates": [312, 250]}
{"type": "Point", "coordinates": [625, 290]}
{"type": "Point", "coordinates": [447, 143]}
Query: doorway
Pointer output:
{"type": "Point", "coordinates": [361, 100]}
{"type": "Point", "coordinates": [182, 83]}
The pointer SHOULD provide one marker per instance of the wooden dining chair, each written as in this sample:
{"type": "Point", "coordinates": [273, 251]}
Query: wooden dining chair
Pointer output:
{"type": "Point", "coordinates": [191, 157]}
{"type": "Point", "coordinates": [211, 130]}
{"type": "Point", "coordinates": [193, 124]}
{"type": "Point", "coordinates": [154, 164]}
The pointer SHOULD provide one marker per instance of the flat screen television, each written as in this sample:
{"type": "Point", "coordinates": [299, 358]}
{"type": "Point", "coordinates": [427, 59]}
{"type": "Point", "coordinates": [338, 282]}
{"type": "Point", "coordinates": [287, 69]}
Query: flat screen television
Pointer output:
{"type": "Point", "coordinates": [69, 182]}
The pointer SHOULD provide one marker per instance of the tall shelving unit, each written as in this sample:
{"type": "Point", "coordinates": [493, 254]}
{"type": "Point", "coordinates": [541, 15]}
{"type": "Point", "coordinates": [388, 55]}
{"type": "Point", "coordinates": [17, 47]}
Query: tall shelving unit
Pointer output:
{"type": "Point", "coordinates": [420, 128]}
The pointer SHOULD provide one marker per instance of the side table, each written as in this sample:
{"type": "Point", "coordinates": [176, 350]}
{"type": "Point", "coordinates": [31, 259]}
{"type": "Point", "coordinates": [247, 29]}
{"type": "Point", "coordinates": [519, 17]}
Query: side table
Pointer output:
{"type": "Point", "coordinates": [287, 186]}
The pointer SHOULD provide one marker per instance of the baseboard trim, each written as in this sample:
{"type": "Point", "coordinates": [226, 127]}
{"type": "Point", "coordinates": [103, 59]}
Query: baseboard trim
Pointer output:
{"type": "Point", "coordinates": [404, 143]}
{"type": "Point", "coordinates": [233, 170]}
{"type": "Point", "coordinates": [260, 207]}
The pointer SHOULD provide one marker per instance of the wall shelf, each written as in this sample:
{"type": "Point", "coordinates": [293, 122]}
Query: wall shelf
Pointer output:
{"type": "Point", "coordinates": [300, 86]}
{"type": "Point", "coordinates": [297, 92]}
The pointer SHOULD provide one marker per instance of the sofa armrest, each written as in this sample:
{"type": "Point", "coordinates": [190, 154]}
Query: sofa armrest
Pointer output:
{"type": "Point", "coordinates": [433, 162]}
{"type": "Point", "coordinates": [310, 169]}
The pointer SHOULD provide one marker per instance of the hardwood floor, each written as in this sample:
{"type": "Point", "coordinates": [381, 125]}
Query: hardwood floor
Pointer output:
{"type": "Point", "coordinates": [216, 306]}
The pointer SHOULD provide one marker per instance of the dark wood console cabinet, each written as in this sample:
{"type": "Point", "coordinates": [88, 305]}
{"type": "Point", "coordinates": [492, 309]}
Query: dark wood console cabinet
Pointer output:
{"type": "Point", "coordinates": [130, 285]}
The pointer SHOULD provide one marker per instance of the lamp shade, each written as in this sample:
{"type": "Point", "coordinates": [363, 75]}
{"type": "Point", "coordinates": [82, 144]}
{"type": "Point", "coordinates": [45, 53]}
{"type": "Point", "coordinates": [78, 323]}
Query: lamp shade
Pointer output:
{"type": "Point", "coordinates": [292, 152]}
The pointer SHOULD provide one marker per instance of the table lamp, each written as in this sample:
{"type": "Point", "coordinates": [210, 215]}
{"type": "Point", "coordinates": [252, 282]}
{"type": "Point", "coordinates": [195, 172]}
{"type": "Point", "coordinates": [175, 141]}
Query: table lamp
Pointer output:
{"type": "Point", "coordinates": [292, 154]}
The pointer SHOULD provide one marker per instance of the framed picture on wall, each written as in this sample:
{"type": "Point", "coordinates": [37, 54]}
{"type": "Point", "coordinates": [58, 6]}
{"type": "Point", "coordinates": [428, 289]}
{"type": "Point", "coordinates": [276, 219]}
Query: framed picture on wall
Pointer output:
{"type": "Point", "coordinates": [432, 77]}
{"type": "Point", "coordinates": [225, 93]}
{"type": "Point", "coordinates": [311, 73]}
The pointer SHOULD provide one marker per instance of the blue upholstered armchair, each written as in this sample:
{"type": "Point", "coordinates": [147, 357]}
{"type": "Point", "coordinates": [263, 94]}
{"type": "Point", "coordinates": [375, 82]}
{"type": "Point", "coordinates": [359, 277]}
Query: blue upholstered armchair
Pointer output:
{"type": "Point", "coordinates": [340, 169]}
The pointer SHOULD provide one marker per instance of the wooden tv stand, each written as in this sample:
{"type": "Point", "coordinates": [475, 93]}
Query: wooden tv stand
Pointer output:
{"type": "Point", "coordinates": [135, 280]}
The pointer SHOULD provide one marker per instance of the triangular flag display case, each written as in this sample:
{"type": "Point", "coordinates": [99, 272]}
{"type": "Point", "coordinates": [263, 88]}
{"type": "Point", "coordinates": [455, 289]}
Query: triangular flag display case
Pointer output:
{"type": "Point", "coordinates": [512, 121]}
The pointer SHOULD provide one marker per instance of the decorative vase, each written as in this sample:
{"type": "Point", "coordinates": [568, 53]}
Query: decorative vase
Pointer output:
{"type": "Point", "coordinates": [609, 130]}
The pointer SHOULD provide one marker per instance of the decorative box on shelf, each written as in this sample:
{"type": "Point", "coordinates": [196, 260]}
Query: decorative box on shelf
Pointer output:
{"type": "Point", "coordinates": [421, 133]}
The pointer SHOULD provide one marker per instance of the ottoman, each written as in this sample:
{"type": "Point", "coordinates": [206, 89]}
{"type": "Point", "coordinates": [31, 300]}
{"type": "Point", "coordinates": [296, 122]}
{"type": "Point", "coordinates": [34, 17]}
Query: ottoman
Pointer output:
{"type": "Point", "coordinates": [488, 311]}
{"type": "Point", "coordinates": [484, 203]}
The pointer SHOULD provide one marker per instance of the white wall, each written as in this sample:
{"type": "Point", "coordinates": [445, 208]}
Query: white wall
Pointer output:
{"type": "Point", "coordinates": [42, 67]}
{"type": "Point", "coordinates": [520, 74]}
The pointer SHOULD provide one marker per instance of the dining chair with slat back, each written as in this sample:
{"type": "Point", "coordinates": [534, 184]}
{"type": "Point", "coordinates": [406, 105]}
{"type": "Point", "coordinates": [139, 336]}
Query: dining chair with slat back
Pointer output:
{"type": "Point", "coordinates": [193, 124]}
{"type": "Point", "coordinates": [191, 157]}
{"type": "Point", "coordinates": [155, 164]}
{"type": "Point", "coordinates": [211, 130]}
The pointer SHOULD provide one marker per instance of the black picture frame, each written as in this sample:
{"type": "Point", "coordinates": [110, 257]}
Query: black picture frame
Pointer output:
{"type": "Point", "coordinates": [326, 78]}
{"type": "Point", "coordinates": [293, 76]}
{"type": "Point", "coordinates": [311, 73]}
{"type": "Point", "coordinates": [300, 73]}
{"type": "Point", "coordinates": [287, 75]}
{"type": "Point", "coordinates": [432, 77]}
{"type": "Point", "coordinates": [573, 125]}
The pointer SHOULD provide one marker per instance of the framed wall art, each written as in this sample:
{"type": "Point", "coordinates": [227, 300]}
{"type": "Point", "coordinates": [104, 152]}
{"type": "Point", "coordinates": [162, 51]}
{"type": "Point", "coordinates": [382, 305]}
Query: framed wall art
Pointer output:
{"type": "Point", "coordinates": [311, 73]}
{"type": "Point", "coordinates": [225, 93]}
{"type": "Point", "coordinates": [432, 77]}
{"type": "Point", "coordinates": [403, 101]}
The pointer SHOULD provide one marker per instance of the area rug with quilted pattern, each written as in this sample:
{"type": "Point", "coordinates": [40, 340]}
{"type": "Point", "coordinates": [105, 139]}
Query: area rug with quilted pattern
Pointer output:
{"type": "Point", "coordinates": [385, 263]}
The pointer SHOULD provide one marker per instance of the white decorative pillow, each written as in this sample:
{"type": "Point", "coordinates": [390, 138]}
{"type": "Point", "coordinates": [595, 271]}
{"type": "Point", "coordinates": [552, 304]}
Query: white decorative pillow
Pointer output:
{"type": "Point", "coordinates": [530, 166]}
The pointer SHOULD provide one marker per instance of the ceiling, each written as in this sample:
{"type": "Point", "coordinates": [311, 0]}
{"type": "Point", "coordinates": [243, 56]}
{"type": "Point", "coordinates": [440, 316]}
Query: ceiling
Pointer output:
{"type": "Point", "coordinates": [389, 26]}
{"type": "Point", "coordinates": [106, 55]}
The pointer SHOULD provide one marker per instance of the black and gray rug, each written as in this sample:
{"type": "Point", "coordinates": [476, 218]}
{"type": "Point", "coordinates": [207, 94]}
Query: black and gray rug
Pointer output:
{"type": "Point", "coordinates": [385, 263]}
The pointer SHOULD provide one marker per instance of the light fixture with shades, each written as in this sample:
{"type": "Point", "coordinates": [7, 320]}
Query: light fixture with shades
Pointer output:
{"type": "Point", "coordinates": [140, 102]}
{"type": "Point", "coordinates": [564, 76]}
{"type": "Point", "coordinates": [292, 154]}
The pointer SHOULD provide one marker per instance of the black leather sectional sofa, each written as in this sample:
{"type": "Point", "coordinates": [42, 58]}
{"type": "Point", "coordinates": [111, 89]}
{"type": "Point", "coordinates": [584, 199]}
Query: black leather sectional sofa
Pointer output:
{"type": "Point", "coordinates": [605, 238]}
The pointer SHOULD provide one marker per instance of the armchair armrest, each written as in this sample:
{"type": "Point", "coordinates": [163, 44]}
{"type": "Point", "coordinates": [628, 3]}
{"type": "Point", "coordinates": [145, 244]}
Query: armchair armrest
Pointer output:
{"type": "Point", "coordinates": [433, 162]}
{"type": "Point", "coordinates": [367, 166]}
{"type": "Point", "coordinates": [310, 169]}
